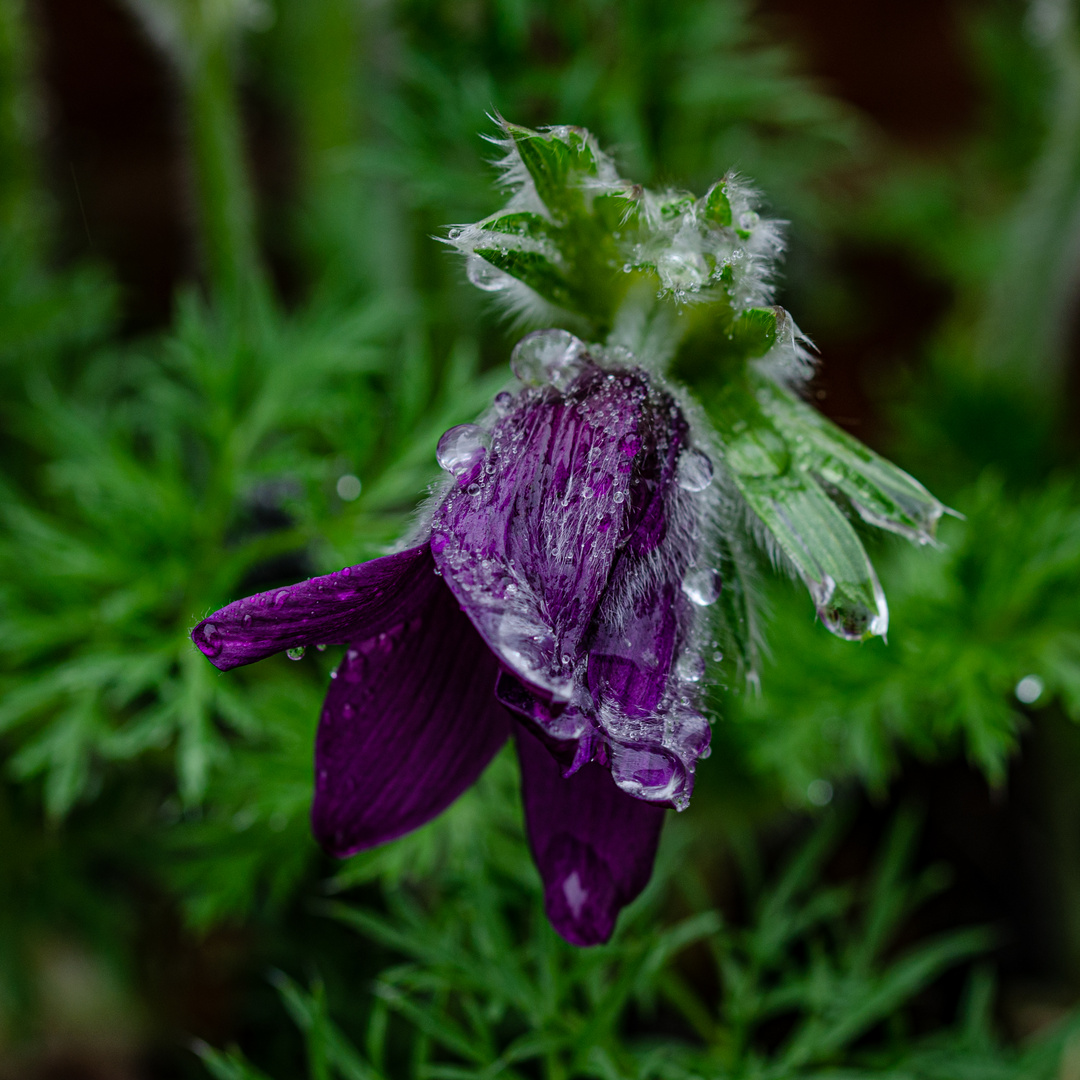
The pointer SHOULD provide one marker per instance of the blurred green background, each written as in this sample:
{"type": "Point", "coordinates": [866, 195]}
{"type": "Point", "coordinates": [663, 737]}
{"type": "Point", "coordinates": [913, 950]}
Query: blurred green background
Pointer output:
{"type": "Point", "coordinates": [220, 294]}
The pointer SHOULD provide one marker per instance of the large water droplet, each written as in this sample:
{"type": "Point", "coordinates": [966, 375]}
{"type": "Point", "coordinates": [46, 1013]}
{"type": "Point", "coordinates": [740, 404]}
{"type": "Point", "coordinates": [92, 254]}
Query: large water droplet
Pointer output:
{"type": "Point", "coordinates": [485, 276]}
{"type": "Point", "coordinates": [462, 449]}
{"type": "Point", "coordinates": [503, 401]}
{"type": "Point", "coordinates": [850, 617]}
{"type": "Point", "coordinates": [651, 774]}
{"type": "Point", "coordinates": [296, 653]}
{"type": "Point", "coordinates": [691, 667]}
{"type": "Point", "coordinates": [548, 356]}
{"type": "Point", "coordinates": [209, 640]}
{"type": "Point", "coordinates": [682, 269]}
{"type": "Point", "coordinates": [702, 586]}
{"type": "Point", "coordinates": [694, 471]}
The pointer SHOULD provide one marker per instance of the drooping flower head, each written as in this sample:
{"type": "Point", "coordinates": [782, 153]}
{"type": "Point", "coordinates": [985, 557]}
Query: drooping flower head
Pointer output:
{"type": "Point", "coordinates": [555, 590]}
{"type": "Point", "coordinates": [589, 553]}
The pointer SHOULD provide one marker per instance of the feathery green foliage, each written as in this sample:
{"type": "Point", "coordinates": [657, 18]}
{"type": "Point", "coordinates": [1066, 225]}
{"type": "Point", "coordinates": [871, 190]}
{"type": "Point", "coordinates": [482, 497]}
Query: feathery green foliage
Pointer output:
{"type": "Point", "coordinates": [145, 482]}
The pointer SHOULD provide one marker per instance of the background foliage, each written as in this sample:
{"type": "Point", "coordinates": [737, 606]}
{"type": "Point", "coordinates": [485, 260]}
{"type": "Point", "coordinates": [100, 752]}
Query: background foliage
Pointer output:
{"type": "Point", "coordinates": [155, 855]}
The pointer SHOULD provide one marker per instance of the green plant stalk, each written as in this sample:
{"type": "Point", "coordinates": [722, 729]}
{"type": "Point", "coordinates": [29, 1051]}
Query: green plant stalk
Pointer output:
{"type": "Point", "coordinates": [224, 200]}
{"type": "Point", "coordinates": [1025, 326]}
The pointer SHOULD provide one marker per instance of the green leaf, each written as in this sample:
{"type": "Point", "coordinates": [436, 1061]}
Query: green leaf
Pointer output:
{"type": "Point", "coordinates": [557, 162]}
{"type": "Point", "coordinates": [754, 332]}
{"type": "Point", "coordinates": [717, 205]}
{"type": "Point", "coordinates": [882, 494]}
{"type": "Point", "coordinates": [537, 271]}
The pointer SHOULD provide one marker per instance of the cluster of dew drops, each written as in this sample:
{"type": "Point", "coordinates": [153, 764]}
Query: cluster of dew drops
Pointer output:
{"type": "Point", "coordinates": [556, 358]}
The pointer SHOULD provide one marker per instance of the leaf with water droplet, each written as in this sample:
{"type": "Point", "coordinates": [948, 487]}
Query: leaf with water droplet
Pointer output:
{"type": "Point", "coordinates": [823, 547]}
{"type": "Point", "coordinates": [882, 494]}
{"type": "Point", "coordinates": [534, 269]}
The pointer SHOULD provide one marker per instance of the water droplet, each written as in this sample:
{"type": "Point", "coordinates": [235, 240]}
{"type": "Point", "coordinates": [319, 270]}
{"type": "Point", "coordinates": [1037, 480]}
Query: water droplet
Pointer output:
{"type": "Point", "coordinates": [847, 616]}
{"type": "Point", "coordinates": [247, 621]}
{"type": "Point", "coordinates": [717, 656]}
{"type": "Point", "coordinates": [280, 597]}
{"type": "Point", "coordinates": [333, 674]}
{"type": "Point", "coordinates": [485, 276]}
{"type": "Point", "coordinates": [462, 449]}
{"type": "Point", "coordinates": [1029, 689]}
{"type": "Point", "coordinates": [619, 496]}
{"type": "Point", "coordinates": [690, 667]}
{"type": "Point", "coordinates": [819, 792]}
{"type": "Point", "coordinates": [548, 356]}
{"type": "Point", "coordinates": [321, 648]}
{"type": "Point", "coordinates": [473, 489]}
{"type": "Point", "coordinates": [748, 219]}
{"type": "Point", "coordinates": [702, 586]}
{"type": "Point", "coordinates": [646, 773]}
{"type": "Point", "coordinates": [694, 471]}
{"type": "Point", "coordinates": [565, 659]}
{"type": "Point", "coordinates": [347, 711]}
{"type": "Point", "coordinates": [296, 653]}
{"type": "Point", "coordinates": [503, 402]}
{"type": "Point", "coordinates": [209, 640]}
{"type": "Point", "coordinates": [348, 487]}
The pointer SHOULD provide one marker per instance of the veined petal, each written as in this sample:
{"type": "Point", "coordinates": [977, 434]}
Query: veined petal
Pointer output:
{"type": "Point", "coordinates": [643, 656]}
{"type": "Point", "coordinates": [408, 724]}
{"type": "Point", "coordinates": [357, 601]}
{"type": "Point", "coordinates": [528, 548]}
{"type": "Point", "coordinates": [593, 844]}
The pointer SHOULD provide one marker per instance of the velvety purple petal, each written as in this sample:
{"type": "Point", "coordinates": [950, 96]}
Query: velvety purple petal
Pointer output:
{"type": "Point", "coordinates": [409, 722]}
{"type": "Point", "coordinates": [357, 601]}
{"type": "Point", "coordinates": [646, 711]}
{"type": "Point", "coordinates": [593, 844]}
{"type": "Point", "coordinates": [528, 548]}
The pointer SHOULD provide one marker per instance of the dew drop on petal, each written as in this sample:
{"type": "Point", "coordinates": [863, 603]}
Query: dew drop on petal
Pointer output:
{"type": "Point", "coordinates": [462, 448]}
{"type": "Point", "coordinates": [296, 653]}
{"type": "Point", "coordinates": [473, 489]}
{"type": "Point", "coordinates": [503, 401]}
{"type": "Point", "coordinates": [210, 640]}
{"type": "Point", "coordinates": [548, 357]}
{"type": "Point", "coordinates": [702, 586]}
{"type": "Point", "coordinates": [694, 472]}
{"type": "Point", "coordinates": [321, 648]}
{"type": "Point", "coordinates": [690, 667]}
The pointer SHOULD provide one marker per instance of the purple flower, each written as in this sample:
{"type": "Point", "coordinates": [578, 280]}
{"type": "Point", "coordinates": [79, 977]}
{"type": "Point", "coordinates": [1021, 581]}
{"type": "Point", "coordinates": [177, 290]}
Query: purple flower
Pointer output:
{"type": "Point", "coordinates": [553, 594]}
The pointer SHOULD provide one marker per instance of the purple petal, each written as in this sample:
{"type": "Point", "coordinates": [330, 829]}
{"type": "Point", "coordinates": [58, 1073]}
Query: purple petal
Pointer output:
{"type": "Point", "coordinates": [408, 724]}
{"type": "Point", "coordinates": [593, 844]}
{"type": "Point", "coordinates": [357, 601]}
{"type": "Point", "coordinates": [528, 548]}
{"type": "Point", "coordinates": [646, 713]}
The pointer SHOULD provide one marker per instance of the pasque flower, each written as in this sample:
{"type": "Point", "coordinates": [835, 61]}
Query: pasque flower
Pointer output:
{"type": "Point", "coordinates": [556, 588]}
{"type": "Point", "coordinates": [553, 596]}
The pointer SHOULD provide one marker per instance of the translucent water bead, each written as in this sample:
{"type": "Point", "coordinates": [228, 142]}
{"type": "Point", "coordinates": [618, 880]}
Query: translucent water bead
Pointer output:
{"type": "Point", "coordinates": [552, 357]}
{"type": "Point", "coordinates": [702, 586]}
{"type": "Point", "coordinates": [694, 471]}
{"type": "Point", "coordinates": [485, 276]}
{"type": "Point", "coordinates": [462, 449]}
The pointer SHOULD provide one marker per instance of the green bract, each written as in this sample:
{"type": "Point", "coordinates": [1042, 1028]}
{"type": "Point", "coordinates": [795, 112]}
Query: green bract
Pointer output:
{"type": "Point", "coordinates": [685, 283]}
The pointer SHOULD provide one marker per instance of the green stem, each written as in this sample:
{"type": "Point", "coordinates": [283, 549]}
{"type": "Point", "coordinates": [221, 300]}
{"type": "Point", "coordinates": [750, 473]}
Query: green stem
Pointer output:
{"type": "Point", "coordinates": [1024, 331]}
{"type": "Point", "coordinates": [224, 199]}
